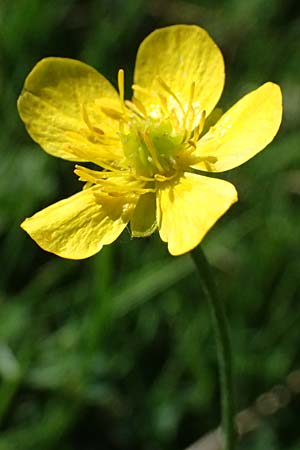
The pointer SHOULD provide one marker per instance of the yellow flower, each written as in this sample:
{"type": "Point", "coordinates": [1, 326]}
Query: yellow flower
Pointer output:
{"type": "Point", "coordinates": [149, 149]}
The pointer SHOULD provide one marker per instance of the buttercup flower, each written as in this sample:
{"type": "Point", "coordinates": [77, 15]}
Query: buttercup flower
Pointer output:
{"type": "Point", "coordinates": [148, 150]}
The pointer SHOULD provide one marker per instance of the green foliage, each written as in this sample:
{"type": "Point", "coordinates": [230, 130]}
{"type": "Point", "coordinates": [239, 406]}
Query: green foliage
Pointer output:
{"type": "Point", "coordinates": [116, 352]}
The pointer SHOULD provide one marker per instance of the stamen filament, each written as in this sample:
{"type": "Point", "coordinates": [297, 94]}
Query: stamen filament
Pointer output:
{"type": "Point", "coordinates": [84, 172]}
{"type": "Point", "coordinates": [189, 108]}
{"type": "Point", "coordinates": [133, 108]}
{"type": "Point", "coordinates": [112, 113]}
{"type": "Point", "coordinates": [162, 178]}
{"type": "Point", "coordinates": [152, 150]}
{"type": "Point", "coordinates": [170, 92]}
{"type": "Point", "coordinates": [139, 106]}
{"type": "Point", "coordinates": [163, 103]}
{"type": "Point", "coordinates": [206, 159]}
{"type": "Point", "coordinates": [98, 130]}
{"type": "Point", "coordinates": [136, 87]}
{"type": "Point", "coordinates": [121, 85]}
{"type": "Point", "coordinates": [175, 120]}
{"type": "Point", "coordinates": [192, 143]}
{"type": "Point", "coordinates": [86, 117]}
{"type": "Point", "coordinates": [199, 128]}
{"type": "Point", "coordinates": [80, 135]}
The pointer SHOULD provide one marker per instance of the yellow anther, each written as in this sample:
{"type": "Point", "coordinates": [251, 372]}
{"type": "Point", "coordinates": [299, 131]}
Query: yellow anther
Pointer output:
{"type": "Point", "coordinates": [174, 119]}
{"type": "Point", "coordinates": [162, 178]}
{"type": "Point", "coordinates": [192, 118]}
{"type": "Point", "coordinates": [121, 85]}
{"type": "Point", "coordinates": [192, 143]}
{"type": "Point", "coordinates": [133, 108]}
{"type": "Point", "coordinates": [206, 159]}
{"type": "Point", "coordinates": [152, 150]}
{"type": "Point", "coordinates": [142, 177]}
{"type": "Point", "coordinates": [86, 117]}
{"type": "Point", "coordinates": [137, 88]}
{"type": "Point", "coordinates": [199, 128]}
{"type": "Point", "coordinates": [80, 135]}
{"type": "Point", "coordinates": [139, 106]}
{"type": "Point", "coordinates": [83, 175]}
{"type": "Point", "coordinates": [163, 103]}
{"type": "Point", "coordinates": [142, 156]}
{"type": "Point", "coordinates": [112, 113]}
{"type": "Point", "coordinates": [170, 92]}
{"type": "Point", "coordinates": [144, 191]}
{"type": "Point", "coordinates": [211, 159]}
{"type": "Point", "coordinates": [98, 130]}
{"type": "Point", "coordinates": [189, 108]}
{"type": "Point", "coordinates": [94, 176]}
{"type": "Point", "coordinates": [122, 126]}
{"type": "Point", "coordinates": [87, 185]}
{"type": "Point", "coordinates": [202, 121]}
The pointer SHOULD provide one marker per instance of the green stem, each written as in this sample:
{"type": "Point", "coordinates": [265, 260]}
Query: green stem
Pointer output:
{"type": "Point", "coordinates": [221, 331]}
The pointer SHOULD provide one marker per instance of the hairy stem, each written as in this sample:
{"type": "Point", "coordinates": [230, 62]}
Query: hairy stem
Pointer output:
{"type": "Point", "coordinates": [221, 332]}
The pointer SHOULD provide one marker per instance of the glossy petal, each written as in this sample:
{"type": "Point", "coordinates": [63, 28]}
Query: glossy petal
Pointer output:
{"type": "Point", "coordinates": [143, 221]}
{"type": "Point", "coordinates": [188, 209]}
{"type": "Point", "coordinates": [57, 101]}
{"type": "Point", "coordinates": [78, 227]}
{"type": "Point", "coordinates": [181, 55]}
{"type": "Point", "coordinates": [243, 131]}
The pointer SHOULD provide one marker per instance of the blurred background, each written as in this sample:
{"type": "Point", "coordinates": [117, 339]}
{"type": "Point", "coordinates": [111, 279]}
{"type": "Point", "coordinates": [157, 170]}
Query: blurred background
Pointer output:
{"type": "Point", "coordinates": [116, 352]}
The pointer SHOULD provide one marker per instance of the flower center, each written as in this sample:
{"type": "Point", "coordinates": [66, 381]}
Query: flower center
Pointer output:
{"type": "Point", "coordinates": [158, 142]}
{"type": "Point", "coordinates": [157, 145]}
{"type": "Point", "coordinates": [151, 146]}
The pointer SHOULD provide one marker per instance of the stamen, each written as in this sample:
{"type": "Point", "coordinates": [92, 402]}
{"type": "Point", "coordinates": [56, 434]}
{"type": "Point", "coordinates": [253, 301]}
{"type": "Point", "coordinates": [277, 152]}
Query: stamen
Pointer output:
{"type": "Point", "coordinates": [141, 177]}
{"type": "Point", "coordinates": [199, 128]}
{"type": "Point", "coordinates": [86, 174]}
{"type": "Point", "coordinates": [144, 191]}
{"type": "Point", "coordinates": [130, 105]}
{"type": "Point", "coordinates": [98, 130]}
{"type": "Point", "coordinates": [87, 185]}
{"type": "Point", "coordinates": [112, 186]}
{"type": "Point", "coordinates": [162, 178]}
{"type": "Point", "coordinates": [142, 157]}
{"type": "Point", "coordinates": [105, 166]}
{"type": "Point", "coordinates": [192, 143]}
{"type": "Point", "coordinates": [112, 113]}
{"type": "Point", "coordinates": [192, 118]}
{"type": "Point", "coordinates": [121, 85]}
{"type": "Point", "coordinates": [122, 126]}
{"type": "Point", "coordinates": [163, 103]}
{"type": "Point", "coordinates": [88, 123]}
{"type": "Point", "coordinates": [139, 106]}
{"type": "Point", "coordinates": [86, 117]}
{"type": "Point", "coordinates": [172, 161]}
{"type": "Point", "coordinates": [189, 108]}
{"type": "Point", "coordinates": [136, 87]}
{"type": "Point", "coordinates": [211, 159]}
{"type": "Point", "coordinates": [152, 150]}
{"type": "Point", "coordinates": [81, 136]}
{"type": "Point", "coordinates": [174, 119]}
{"type": "Point", "coordinates": [170, 92]}
{"type": "Point", "coordinates": [206, 159]}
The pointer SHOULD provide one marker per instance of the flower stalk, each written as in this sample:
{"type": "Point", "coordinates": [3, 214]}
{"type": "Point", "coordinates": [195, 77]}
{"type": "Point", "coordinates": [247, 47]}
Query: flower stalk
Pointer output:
{"type": "Point", "coordinates": [221, 331]}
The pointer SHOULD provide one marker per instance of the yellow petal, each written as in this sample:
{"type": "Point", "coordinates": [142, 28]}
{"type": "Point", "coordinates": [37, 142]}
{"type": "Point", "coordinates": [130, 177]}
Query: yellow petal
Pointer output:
{"type": "Point", "coordinates": [181, 55]}
{"type": "Point", "coordinates": [188, 209]}
{"type": "Point", "coordinates": [243, 131]}
{"type": "Point", "coordinates": [143, 221]}
{"type": "Point", "coordinates": [78, 227]}
{"type": "Point", "coordinates": [57, 105]}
